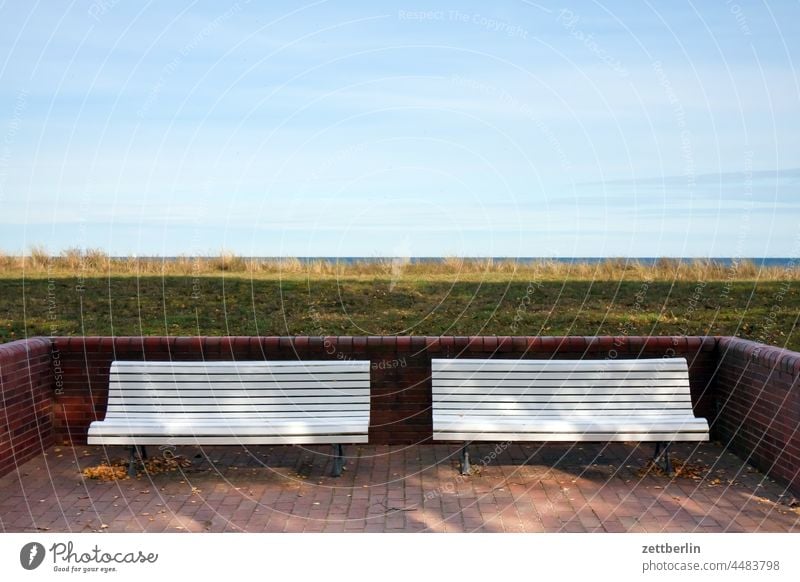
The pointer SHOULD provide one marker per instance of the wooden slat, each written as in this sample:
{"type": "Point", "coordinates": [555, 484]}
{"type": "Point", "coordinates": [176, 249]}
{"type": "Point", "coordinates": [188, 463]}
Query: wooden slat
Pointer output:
{"type": "Point", "coordinates": [218, 378]}
{"type": "Point", "coordinates": [572, 437]}
{"type": "Point", "coordinates": [298, 401]}
{"type": "Point", "coordinates": [569, 424]}
{"type": "Point", "coordinates": [515, 383]}
{"type": "Point", "coordinates": [558, 376]}
{"type": "Point", "coordinates": [362, 386]}
{"type": "Point", "coordinates": [223, 409]}
{"type": "Point", "coordinates": [288, 365]}
{"type": "Point", "coordinates": [559, 414]}
{"type": "Point", "coordinates": [485, 365]}
{"type": "Point", "coordinates": [255, 426]}
{"type": "Point", "coordinates": [211, 414]}
{"type": "Point", "coordinates": [177, 429]}
{"type": "Point", "coordinates": [684, 398]}
{"type": "Point", "coordinates": [227, 440]}
{"type": "Point", "coordinates": [478, 406]}
{"type": "Point", "coordinates": [442, 391]}
{"type": "Point", "coordinates": [584, 413]}
{"type": "Point", "coordinates": [267, 424]}
{"type": "Point", "coordinates": [233, 393]}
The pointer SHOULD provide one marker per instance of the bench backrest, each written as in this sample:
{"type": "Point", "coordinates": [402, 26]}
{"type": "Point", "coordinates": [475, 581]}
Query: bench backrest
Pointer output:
{"type": "Point", "coordinates": [480, 387]}
{"type": "Point", "coordinates": [239, 389]}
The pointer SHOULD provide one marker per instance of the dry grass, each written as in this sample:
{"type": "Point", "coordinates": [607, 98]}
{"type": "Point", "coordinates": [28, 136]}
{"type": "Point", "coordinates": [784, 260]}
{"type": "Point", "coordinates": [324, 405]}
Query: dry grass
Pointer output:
{"type": "Point", "coordinates": [38, 259]}
{"type": "Point", "coordinates": [7, 262]}
{"type": "Point", "coordinates": [71, 258]}
{"type": "Point", "coordinates": [96, 262]}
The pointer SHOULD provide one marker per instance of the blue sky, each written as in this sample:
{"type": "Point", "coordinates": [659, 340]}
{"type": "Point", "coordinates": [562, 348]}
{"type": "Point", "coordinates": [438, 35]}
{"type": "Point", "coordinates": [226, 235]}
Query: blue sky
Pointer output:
{"type": "Point", "coordinates": [401, 129]}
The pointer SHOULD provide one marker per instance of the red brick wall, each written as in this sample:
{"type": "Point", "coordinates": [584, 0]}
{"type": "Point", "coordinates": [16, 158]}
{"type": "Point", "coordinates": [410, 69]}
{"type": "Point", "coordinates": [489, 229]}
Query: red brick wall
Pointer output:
{"type": "Point", "coordinates": [749, 392]}
{"type": "Point", "coordinates": [758, 396]}
{"type": "Point", "coordinates": [26, 390]}
{"type": "Point", "coordinates": [400, 377]}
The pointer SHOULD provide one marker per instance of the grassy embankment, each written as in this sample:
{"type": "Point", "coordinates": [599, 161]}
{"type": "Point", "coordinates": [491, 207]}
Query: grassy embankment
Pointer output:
{"type": "Point", "coordinates": [90, 294]}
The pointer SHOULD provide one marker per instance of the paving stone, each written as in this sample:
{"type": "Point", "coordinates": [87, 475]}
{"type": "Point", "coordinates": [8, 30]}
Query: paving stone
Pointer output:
{"type": "Point", "coordinates": [527, 488]}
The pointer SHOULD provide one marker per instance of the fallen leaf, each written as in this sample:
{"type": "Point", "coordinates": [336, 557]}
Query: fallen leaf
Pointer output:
{"type": "Point", "coordinates": [117, 470]}
{"type": "Point", "coordinates": [680, 469]}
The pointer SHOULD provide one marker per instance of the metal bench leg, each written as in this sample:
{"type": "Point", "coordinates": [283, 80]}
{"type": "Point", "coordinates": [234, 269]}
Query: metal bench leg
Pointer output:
{"type": "Point", "coordinates": [338, 460]}
{"type": "Point", "coordinates": [132, 462]}
{"type": "Point", "coordinates": [142, 452]}
{"type": "Point", "coordinates": [667, 461]}
{"type": "Point", "coordinates": [465, 468]}
{"type": "Point", "coordinates": [665, 453]}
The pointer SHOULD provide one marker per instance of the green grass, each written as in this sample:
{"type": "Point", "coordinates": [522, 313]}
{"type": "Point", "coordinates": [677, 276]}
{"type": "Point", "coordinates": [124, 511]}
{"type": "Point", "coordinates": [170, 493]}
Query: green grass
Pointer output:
{"type": "Point", "coordinates": [447, 304]}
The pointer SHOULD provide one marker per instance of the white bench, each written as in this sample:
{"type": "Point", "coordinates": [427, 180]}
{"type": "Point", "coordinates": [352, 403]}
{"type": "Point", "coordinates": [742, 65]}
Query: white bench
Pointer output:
{"type": "Point", "coordinates": [236, 403]}
{"type": "Point", "coordinates": [564, 400]}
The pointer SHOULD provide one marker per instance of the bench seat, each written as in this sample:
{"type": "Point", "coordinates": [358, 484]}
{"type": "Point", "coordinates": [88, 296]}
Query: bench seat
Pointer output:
{"type": "Point", "coordinates": [564, 400]}
{"type": "Point", "coordinates": [236, 403]}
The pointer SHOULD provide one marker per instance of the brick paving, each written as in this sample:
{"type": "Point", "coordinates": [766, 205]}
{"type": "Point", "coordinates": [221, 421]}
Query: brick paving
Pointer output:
{"type": "Point", "coordinates": [518, 488]}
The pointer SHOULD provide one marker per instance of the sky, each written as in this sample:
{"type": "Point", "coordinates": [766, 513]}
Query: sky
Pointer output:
{"type": "Point", "coordinates": [516, 128]}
